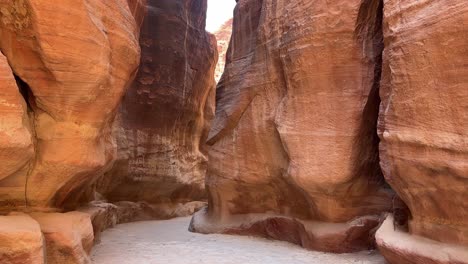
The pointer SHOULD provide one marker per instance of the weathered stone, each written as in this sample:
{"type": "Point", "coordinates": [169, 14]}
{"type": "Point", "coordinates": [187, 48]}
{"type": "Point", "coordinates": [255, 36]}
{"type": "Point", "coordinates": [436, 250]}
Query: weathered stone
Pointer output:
{"type": "Point", "coordinates": [423, 123]}
{"type": "Point", "coordinates": [20, 240]}
{"type": "Point", "coordinates": [294, 133]}
{"type": "Point", "coordinates": [164, 118]}
{"type": "Point", "coordinates": [16, 143]}
{"type": "Point", "coordinates": [399, 247]}
{"type": "Point", "coordinates": [69, 236]}
{"type": "Point", "coordinates": [332, 237]}
{"type": "Point", "coordinates": [73, 60]}
{"type": "Point", "coordinates": [423, 120]}
{"type": "Point", "coordinates": [106, 215]}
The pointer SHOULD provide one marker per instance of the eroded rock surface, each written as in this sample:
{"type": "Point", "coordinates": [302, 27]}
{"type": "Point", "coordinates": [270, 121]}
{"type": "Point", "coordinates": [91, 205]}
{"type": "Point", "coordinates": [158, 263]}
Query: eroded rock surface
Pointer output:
{"type": "Point", "coordinates": [423, 119]}
{"type": "Point", "coordinates": [294, 133]}
{"type": "Point", "coordinates": [20, 240]}
{"type": "Point", "coordinates": [164, 118]}
{"type": "Point", "coordinates": [68, 236]}
{"type": "Point", "coordinates": [399, 247]}
{"type": "Point", "coordinates": [106, 215]}
{"type": "Point", "coordinates": [16, 142]}
{"type": "Point", "coordinates": [73, 60]}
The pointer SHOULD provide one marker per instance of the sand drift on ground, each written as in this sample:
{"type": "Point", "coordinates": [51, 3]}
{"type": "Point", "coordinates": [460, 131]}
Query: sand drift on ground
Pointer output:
{"type": "Point", "coordinates": [154, 242]}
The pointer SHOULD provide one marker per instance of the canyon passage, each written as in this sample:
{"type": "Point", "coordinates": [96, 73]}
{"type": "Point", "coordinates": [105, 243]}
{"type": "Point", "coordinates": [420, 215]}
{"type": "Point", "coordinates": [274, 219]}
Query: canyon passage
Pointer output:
{"type": "Point", "coordinates": [301, 131]}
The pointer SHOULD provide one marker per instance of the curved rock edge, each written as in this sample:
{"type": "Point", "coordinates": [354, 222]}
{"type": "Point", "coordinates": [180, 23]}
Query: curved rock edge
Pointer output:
{"type": "Point", "coordinates": [400, 247]}
{"type": "Point", "coordinates": [345, 237]}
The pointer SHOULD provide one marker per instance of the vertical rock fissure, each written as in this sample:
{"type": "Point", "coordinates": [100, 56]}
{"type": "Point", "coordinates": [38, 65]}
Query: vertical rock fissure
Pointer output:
{"type": "Point", "coordinates": [28, 96]}
{"type": "Point", "coordinates": [369, 34]}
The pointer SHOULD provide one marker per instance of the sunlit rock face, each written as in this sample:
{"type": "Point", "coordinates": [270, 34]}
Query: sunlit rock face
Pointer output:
{"type": "Point", "coordinates": [223, 35]}
{"type": "Point", "coordinates": [21, 240]}
{"type": "Point", "coordinates": [163, 121]}
{"type": "Point", "coordinates": [423, 122]}
{"type": "Point", "coordinates": [294, 141]}
{"type": "Point", "coordinates": [73, 61]}
{"type": "Point", "coordinates": [16, 142]}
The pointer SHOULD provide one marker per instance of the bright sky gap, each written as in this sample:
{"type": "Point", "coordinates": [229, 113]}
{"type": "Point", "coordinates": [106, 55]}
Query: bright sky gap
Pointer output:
{"type": "Point", "coordinates": [219, 11]}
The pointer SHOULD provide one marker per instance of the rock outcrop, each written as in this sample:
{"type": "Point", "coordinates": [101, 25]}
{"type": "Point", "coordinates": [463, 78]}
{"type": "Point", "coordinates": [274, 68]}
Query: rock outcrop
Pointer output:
{"type": "Point", "coordinates": [20, 240]}
{"type": "Point", "coordinates": [294, 135]}
{"type": "Point", "coordinates": [68, 236]}
{"type": "Point", "coordinates": [399, 247]}
{"type": "Point", "coordinates": [73, 61]}
{"type": "Point", "coordinates": [164, 118]}
{"type": "Point", "coordinates": [106, 215]}
{"type": "Point", "coordinates": [223, 36]}
{"type": "Point", "coordinates": [64, 69]}
{"type": "Point", "coordinates": [16, 141]}
{"type": "Point", "coordinates": [423, 121]}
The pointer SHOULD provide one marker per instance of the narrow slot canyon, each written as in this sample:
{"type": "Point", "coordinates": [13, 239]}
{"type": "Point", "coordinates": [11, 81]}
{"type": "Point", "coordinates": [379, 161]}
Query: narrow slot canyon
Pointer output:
{"type": "Point", "coordinates": [233, 131]}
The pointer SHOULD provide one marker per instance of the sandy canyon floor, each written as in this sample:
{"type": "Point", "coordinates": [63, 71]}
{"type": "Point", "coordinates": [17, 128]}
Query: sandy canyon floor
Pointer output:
{"type": "Point", "coordinates": [169, 242]}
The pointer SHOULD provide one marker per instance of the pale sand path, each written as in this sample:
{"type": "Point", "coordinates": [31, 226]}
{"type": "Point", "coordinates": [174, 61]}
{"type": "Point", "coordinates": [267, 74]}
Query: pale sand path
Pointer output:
{"type": "Point", "coordinates": [169, 242]}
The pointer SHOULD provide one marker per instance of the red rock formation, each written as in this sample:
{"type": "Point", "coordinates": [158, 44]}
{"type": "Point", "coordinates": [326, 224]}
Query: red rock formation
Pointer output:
{"type": "Point", "coordinates": [223, 35]}
{"type": "Point", "coordinates": [294, 147]}
{"type": "Point", "coordinates": [73, 60]}
{"type": "Point", "coordinates": [423, 121]}
{"type": "Point", "coordinates": [164, 118]}
{"type": "Point", "coordinates": [16, 143]}
{"type": "Point", "coordinates": [294, 133]}
{"type": "Point", "coordinates": [72, 63]}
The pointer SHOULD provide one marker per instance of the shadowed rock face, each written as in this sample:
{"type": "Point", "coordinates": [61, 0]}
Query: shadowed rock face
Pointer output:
{"type": "Point", "coordinates": [294, 133]}
{"type": "Point", "coordinates": [73, 61]}
{"type": "Point", "coordinates": [423, 122]}
{"type": "Point", "coordinates": [164, 118]}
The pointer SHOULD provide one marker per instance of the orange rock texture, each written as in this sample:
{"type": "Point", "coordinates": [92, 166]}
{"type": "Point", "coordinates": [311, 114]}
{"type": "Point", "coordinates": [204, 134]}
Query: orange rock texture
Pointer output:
{"type": "Point", "coordinates": [329, 114]}
{"type": "Point", "coordinates": [68, 237]}
{"type": "Point", "coordinates": [16, 140]}
{"type": "Point", "coordinates": [164, 118]}
{"type": "Point", "coordinates": [21, 240]}
{"type": "Point", "coordinates": [293, 143]}
{"type": "Point", "coordinates": [73, 61]}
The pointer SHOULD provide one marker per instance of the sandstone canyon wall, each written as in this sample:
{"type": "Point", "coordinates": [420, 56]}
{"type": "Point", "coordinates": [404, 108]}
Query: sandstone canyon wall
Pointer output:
{"type": "Point", "coordinates": [72, 62]}
{"type": "Point", "coordinates": [329, 114]}
{"type": "Point", "coordinates": [294, 133]}
{"type": "Point", "coordinates": [64, 69]}
{"type": "Point", "coordinates": [294, 149]}
{"type": "Point", "coordinates": [423, 125]}
{"type": "Point", "coordinates": [164, 118]}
